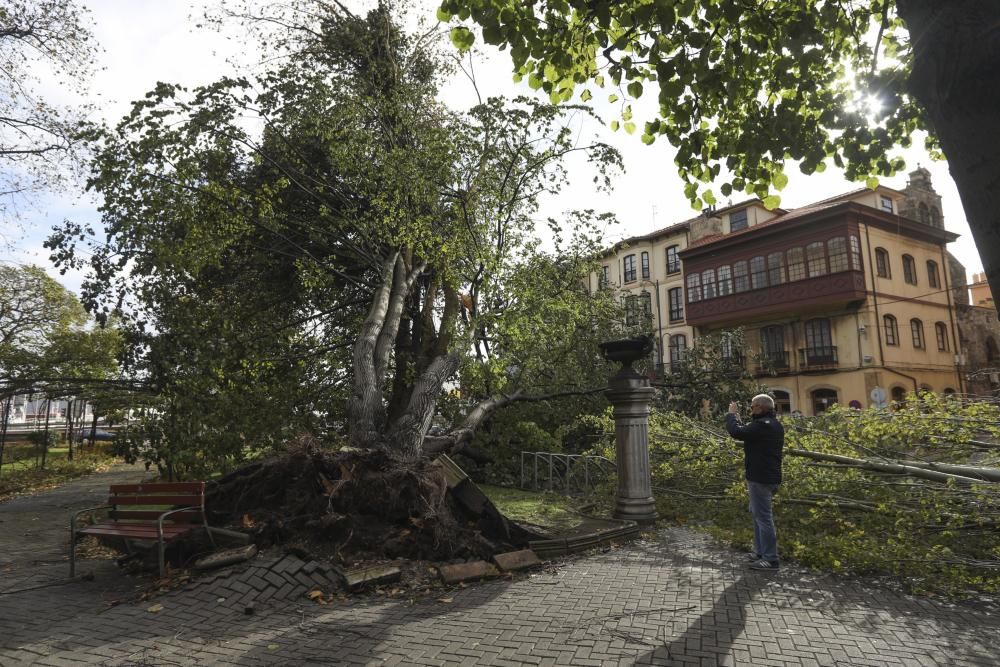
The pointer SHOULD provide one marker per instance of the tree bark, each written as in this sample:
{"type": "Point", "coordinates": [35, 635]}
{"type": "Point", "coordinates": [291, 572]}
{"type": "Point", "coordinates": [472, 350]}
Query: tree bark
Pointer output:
{"type": "Point", "coordinates": [365, 410]}
{"type": "Point", "coordinates": [956, 78]}
{"type": "Point", "coordinates": [891, 468]}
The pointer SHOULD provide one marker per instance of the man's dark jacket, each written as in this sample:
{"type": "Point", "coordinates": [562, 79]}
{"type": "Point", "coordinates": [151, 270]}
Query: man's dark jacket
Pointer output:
{"type": "Point", "coordinates": [763, 439]}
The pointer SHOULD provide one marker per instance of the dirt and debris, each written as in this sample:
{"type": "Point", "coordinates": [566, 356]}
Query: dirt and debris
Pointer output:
{"type": "Point", "coordinates": [356, 508]}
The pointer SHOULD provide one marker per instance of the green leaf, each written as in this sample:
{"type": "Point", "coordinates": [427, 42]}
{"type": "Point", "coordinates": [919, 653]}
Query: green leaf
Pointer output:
{"type": "Point", "coordinates": [462, 38]}
{"type": "Point", "coordinates": [612, 99]}
{"type": "Point", "coordinates": [772, 202]}
{"type": "Point", "coordinates": [585, 95]}
{"type": "Point", "coordinates": [780, 180]}
{"type": "Point", "coordinates": [629, 127]}
{"type": "Point", "coordinates": [534, 82]}
{"type": "Point", "coordinates": [648, 139]}
{"type": "Point", "coordinates": [871, 183]}
{"type": "Point", "coordinates": [443, 15]}
{"type": "Point", "coordinates": [614, 126]}
{"type": "Point", "coordinates": [635, 89]}
{"type": "Point", "coordinates": [709, 197]}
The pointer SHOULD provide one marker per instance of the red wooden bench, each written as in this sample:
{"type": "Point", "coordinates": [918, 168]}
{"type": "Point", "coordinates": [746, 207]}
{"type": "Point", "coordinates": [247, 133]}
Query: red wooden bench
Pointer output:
{"type": "Point", "coordinates": [136, 512]}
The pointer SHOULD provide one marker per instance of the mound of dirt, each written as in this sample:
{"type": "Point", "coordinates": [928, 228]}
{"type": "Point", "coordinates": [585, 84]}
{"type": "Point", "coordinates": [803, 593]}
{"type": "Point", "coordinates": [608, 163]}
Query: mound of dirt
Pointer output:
{"type": "Point", "coordinates": [352, 506]}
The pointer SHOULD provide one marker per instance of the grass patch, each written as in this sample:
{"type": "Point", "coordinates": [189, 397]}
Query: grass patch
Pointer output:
{"type": "Point", "coordinates": [23, 477]}
{"type": "Point", "coordinates": [549, 510]}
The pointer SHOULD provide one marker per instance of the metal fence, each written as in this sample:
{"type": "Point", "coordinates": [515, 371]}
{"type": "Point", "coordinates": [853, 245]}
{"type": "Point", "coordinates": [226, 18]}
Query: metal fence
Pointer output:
{"type": "Point", "coordinates": [565, 473]}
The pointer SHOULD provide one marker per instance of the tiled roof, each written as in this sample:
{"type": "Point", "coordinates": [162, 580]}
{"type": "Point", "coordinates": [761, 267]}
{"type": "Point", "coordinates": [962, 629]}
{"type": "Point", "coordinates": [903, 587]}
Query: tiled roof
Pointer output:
{"type": "Point", "coordinates": [795, 213]}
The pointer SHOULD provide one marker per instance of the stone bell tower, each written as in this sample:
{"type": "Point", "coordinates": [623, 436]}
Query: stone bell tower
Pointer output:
{"type": "Point", "coordinates": [921, 202]}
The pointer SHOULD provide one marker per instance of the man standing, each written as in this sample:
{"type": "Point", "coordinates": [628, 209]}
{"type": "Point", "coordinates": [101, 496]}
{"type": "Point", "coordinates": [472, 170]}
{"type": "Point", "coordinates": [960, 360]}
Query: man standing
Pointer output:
{"type": "Point", "coordinates": [763, 439]}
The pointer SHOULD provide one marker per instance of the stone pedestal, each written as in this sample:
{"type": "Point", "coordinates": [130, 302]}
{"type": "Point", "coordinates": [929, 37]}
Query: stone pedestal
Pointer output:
{"type": "Point", "coordinates": [630, 394]}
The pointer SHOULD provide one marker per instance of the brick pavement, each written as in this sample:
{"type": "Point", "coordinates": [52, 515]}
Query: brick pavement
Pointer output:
{"type": "Point", "coordinates": [675, 599]}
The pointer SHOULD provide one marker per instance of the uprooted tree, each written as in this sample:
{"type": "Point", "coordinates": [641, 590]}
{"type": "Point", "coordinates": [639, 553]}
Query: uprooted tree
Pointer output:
{"type": "Point", "coordinates": [327, 247]}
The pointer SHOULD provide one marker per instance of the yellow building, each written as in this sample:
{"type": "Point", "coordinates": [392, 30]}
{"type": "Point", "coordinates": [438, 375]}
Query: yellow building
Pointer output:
{"type": "Point", "coordinates": [845, 301]}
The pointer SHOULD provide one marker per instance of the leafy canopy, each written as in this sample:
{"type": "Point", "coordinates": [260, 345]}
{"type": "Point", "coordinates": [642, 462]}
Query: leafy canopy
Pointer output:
{"type": "Point", "coordinates": [739, 88]}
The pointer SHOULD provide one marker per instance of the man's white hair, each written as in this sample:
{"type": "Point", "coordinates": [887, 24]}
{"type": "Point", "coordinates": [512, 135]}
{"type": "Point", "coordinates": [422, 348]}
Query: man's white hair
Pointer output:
{"type": "Point", "coordinates": [763, 399]}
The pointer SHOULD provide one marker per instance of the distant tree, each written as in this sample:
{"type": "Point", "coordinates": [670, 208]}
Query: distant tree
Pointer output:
{"type": "Point", "coordinates": [36, 135]}
{"type": "Point", "coordinates": [744, 87]}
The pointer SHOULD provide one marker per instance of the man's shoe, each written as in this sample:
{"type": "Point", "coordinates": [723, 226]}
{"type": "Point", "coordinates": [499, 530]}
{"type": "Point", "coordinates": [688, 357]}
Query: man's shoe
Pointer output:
{"type": "Point", "coordinates": [764, 565]}
{"type": "Point", "coordinates": [752, 557]}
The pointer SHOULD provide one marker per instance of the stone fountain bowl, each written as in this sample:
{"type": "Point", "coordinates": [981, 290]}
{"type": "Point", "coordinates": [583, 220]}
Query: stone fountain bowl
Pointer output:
{"type": "Point", "coordinates": [627, 350]}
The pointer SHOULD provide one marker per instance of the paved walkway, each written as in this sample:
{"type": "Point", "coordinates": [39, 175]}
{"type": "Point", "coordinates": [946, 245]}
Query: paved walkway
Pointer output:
{"type": "Point", "coordinates": [678, 599]}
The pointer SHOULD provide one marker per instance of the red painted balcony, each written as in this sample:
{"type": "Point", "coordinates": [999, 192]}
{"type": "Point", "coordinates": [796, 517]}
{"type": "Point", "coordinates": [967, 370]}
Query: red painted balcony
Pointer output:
{"type": "Point", "coordinates": [835, 290]}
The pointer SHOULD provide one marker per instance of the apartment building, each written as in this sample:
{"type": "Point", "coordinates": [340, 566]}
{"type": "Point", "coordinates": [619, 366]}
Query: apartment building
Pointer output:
{"type": "Point", "coordinates": [846, 300]}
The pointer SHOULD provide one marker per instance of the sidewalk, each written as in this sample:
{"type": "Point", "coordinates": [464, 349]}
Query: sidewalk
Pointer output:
{"type": "Point", "coordinates": [678, 599]}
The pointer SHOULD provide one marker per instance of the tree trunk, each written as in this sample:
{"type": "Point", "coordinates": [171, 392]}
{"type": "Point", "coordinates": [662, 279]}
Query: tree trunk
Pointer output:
{"type": "Point", "coordinates": [956, 79]}
{"type": "Point", "coordinates": [69, 428]}
{"type": "Point", "coordinates": [45, 445]}
{"type": "Point", "coordinates": [3, 429]}
{"type": "Point", "coordinates": [365, 410]}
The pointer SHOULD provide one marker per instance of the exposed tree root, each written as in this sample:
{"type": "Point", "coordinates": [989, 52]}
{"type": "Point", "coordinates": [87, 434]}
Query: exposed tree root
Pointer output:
{"type": "Point", "coordinates": [351, 506]}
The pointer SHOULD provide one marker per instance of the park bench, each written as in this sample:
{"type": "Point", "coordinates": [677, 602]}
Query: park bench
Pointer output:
{"type": "Point", "coordinates": [150, 512]}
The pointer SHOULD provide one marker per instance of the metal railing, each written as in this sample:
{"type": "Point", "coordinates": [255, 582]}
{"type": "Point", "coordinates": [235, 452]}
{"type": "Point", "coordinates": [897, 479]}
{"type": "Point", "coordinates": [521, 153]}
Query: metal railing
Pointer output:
{"type": "Point", "coordinates": [818, 356]}
{"type": "Point", "coordinates": [566, 473]}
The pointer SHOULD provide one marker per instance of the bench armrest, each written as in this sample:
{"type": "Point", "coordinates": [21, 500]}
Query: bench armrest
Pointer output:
{"type": "Point", "coordinates": [159, 522]}
{"type": "Point", "coordinates": [72, 521]}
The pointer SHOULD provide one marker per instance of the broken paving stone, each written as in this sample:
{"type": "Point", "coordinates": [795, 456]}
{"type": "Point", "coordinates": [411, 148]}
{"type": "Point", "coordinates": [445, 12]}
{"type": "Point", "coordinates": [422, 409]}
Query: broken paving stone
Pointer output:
{"type": "Point", "coordinates": [370, 576]}
{"type": "Point", "coordinates": [477, 569]}
{"type": "Point", "coordinates": [517, 560]}
{"type": "Point", "coordinates": [227, 557]}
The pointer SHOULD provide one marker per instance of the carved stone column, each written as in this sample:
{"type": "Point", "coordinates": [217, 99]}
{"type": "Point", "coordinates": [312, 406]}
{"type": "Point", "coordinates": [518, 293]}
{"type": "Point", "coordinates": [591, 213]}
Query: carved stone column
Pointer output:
{"type": "Point", "coordinates": [630, 394]}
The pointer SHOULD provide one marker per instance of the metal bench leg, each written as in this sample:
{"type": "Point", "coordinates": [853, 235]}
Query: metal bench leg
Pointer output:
{"type": "Point", "coordinates": [161, 557]}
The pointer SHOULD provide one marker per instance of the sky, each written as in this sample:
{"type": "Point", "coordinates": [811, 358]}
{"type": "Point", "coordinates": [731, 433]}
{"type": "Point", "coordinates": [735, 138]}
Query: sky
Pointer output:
{"type": "Point", "coordinates": [146, 42]}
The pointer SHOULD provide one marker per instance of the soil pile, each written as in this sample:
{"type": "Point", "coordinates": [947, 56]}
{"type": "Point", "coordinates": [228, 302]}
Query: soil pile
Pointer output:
{"type": "Point", "coordinates": [351, 506]}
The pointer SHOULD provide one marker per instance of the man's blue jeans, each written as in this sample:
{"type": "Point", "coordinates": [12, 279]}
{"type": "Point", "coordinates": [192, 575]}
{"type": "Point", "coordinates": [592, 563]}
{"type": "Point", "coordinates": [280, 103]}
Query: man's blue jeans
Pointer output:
{"type": "Point", "coordinates": [765, 539]}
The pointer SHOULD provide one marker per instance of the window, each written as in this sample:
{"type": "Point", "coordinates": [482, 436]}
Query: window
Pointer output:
{"type": "Point", "coordinates": [708, 283]}
{"type": "Point", "coordinates": [741, 281]}
{"type": "Point", "coordinates": [992, 354]}
{"type": "Point", "coordinates": [936, 218]}
{"type": "Point", "coordinates": [882, 263]}
{"type": "Point", "coordinates": [796, 264]}
{"type": "Point", "coordinates": [772, 345]}
{"type": "Point", "coordinates": [941, 332]}
{"type": "Point", "coordinates": [836, 250]}
{"type": "Point", "coordinates": [645, 265]}
{"type": "Point", "coordinates": [776, 268]}
{"type": "Point", "coordinates": [629, 264]}
{"type": "Point", "coordinates": [758, 272]}
{"type": "Point", "coordinates": [924, 213]}
{"type": "Point", "coordinates": [729, 351]}
{"type": "Point", "coordinates": [819, 350]}
{"type": "Point", "coordinates": [886, 203]}
{"type": "Point", "coordinates": [694, 287]}
{"type": "Point", "coordinates": [823, 399]}
{"type": "Point", "coordinates": [631, 310]}
{"type": "Point", "coordinates": [675, 299]}
{"type": "Point", "coordinates": [909, 270]}
{"type": "Point", "coordinates": [673, 261]}
{"type": "Point", "coordinates": [782, 402]}
{"type": "Point", "coordinates": [932, 274]}
{"type": "Point", "coordinates": [638, 309]}
{"type": "Point", "coordinates": [738, 220]}
{"type": "Point", "coordinates": [816, 258]}
{"type": "Point", "coordinates": [725, 281]}
{"type": "Point", "coordinates": [819, 337]}
{"type": "Point", "coordinates": [898, 395]}
{"type": "Point", "coordinates": [855, 253]}
{"type": "Point", "coordinates": [678, 346]}
{"type": "Point", "coordinates": [603, 281]}
{"type": "Point", "coordinates": [891, 330]}
{"type": "Point", "coordinates": [917, 331]}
